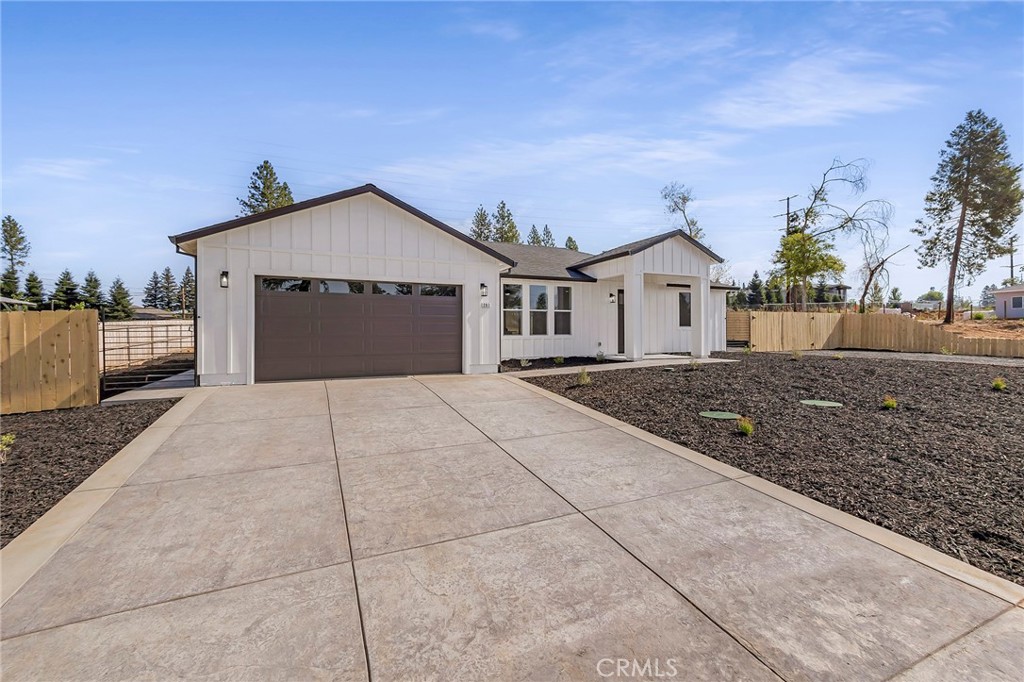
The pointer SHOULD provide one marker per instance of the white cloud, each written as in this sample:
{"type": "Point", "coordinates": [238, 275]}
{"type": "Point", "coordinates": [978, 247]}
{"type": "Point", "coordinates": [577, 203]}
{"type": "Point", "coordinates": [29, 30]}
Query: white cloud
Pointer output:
{"type": "Point", "coordinates": [502, 30]}
{"type": "Point", "coordinates": [818, 89]}
{"type": "Point", "coordinates": [64, 169]}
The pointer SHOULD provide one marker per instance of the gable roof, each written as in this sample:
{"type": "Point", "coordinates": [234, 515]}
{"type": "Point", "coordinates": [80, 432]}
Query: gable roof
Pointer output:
{"type": "Point", "coordinates": [1013, 289]}
{"type": "Point", "coordinates": [541, 262]}
{"type": "Point", "coordinates": [643, 245]}
{"type": "Point", "coordinates": [192, 235]}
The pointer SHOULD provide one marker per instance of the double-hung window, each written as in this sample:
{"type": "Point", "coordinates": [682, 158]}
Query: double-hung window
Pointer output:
{"type": "Point", "coordinates": [684, 308]}
{"type": "Point", "coordinates": [1017, 302]}
{"type": "Point", "coordinates": [512, 309]}
{"type": "Point", "coordinates": [538, 310]}
{"type": "Point", "coordinates": [563, 310]}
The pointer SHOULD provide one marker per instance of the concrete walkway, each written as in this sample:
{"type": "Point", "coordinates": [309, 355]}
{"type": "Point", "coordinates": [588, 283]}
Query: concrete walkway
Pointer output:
{"type": "Point", "coordinates": [469, 528]}
{"type": "Point", "coordinates": [920, 357]}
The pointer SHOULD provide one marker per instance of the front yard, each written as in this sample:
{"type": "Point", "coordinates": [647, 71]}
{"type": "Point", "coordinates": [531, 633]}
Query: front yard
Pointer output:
{"type": "Point", "coordinates": [945, 467]}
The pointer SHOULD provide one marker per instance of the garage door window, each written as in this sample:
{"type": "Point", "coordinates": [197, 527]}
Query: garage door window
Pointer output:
{"type": "Point", "coordinates": [512, 309]}
{"type": "Point", "coordinates": [337, 286]}
{"type": "Point", "coordinates": [389, 289]}
{"type": "Point", "coordinates": [436, 290]}
{"type": "Point", "coordinates": [280, 284]}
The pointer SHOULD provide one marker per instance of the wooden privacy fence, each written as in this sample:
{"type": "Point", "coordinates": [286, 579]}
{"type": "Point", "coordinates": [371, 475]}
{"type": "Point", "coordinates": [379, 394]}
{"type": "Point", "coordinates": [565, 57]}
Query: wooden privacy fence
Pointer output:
{"type": "Point", "coordinates": [135, 342]}
{"type": "Point", "coordinates": [48, 360]}
{"type": "Point", "coordinates": [813, 331]}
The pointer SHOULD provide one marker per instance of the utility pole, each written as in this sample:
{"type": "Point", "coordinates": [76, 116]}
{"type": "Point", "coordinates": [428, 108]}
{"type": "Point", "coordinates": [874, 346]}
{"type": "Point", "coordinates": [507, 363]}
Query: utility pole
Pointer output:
{"type": "Point", "coordinates": [792, 196]}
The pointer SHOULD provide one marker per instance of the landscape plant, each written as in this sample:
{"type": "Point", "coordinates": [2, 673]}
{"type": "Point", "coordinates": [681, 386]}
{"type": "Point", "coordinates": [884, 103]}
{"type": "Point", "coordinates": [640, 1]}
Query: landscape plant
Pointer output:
{"type": "Point", "coordinates": [745, 425]}
{"type": "Point", "coordinates": [6, 441]}
{"type": "Point", "coordinates": [889, 403]}
{"type": "Point", "coordinates": [583, 378]}
{"type": "Point", "coordinates": [559, 360]}
{"type": "Point", "coordinates": [999, 384]}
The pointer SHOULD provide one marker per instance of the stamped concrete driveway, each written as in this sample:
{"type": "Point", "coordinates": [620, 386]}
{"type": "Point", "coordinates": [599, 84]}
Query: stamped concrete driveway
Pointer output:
{"type": "Point", "coordinates": [470, 528]}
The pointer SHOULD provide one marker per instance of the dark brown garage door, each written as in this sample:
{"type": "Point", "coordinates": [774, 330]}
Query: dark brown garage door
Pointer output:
{"type": "Point", "coordinates": [317, 328]}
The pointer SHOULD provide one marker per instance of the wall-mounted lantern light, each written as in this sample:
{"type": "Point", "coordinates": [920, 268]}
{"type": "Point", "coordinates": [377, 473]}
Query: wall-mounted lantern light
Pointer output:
{"type": "Point", "coordinates": [611, 297]}
{"type": "Point", "coordinates": [483, 290]}
{"type": "Point", "coordinates": [224, 279]}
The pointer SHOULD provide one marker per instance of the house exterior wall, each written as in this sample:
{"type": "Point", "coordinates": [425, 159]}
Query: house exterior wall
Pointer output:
{"type": "Point", "coordinates": [1004, 305]}
{"type": "Point", "coordinates": [719, 308]}
{"type": "Point", "coordinates": [362, 237]}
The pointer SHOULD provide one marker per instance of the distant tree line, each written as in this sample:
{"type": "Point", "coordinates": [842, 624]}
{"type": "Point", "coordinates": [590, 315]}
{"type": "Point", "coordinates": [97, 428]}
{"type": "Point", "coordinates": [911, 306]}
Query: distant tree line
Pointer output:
{"type": "Point", "coordinates": [500, 226]}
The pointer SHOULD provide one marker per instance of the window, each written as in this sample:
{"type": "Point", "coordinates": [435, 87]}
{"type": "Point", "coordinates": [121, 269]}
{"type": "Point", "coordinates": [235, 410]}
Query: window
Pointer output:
{"type": "Point", "coordinates": [337, 286]}
{"type": "Point", "coordinates": [538, 310]}
{"type": "Point", "coordinates": [436, 290]}
{"type": "Point", "coordinates": [1017, 302]}
{"type": "Point", "coordinates": [512, 309]}
{"type": "Point", "coordinates": [281, 284]}
{"type": "Point", "coordinates": [684, 308]}
{"type": "Point", "coordinates": [389, 289]}
{"type": "Point", "coordinates": [563, 310]}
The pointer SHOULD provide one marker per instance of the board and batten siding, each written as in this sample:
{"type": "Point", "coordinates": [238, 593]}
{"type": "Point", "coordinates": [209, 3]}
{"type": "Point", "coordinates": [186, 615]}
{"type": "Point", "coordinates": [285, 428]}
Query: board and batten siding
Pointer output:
{"type": "Point", "coordinates": [361, 238]}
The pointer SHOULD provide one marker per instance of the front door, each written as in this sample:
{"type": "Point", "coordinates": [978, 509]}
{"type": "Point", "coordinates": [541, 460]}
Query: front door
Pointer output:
{"type": "Point", "coordinates": [622, 320]}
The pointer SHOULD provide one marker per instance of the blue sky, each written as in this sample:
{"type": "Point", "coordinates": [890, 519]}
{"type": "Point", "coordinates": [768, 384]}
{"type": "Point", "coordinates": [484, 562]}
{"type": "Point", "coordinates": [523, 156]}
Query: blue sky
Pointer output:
{"type": "Point", "coordinates": [123, 123]}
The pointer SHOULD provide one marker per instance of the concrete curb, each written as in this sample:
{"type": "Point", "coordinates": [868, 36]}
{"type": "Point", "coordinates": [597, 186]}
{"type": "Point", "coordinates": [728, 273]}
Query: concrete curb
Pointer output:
{"type": "Point", "coordinates": [28, 552]}
{"type": "Point", "coordinates": [943, 563]}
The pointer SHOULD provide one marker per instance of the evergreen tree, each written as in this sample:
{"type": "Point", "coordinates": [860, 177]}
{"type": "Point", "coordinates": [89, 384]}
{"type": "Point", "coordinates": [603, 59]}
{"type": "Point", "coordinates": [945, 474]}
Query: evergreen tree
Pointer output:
{"type": "Point", "coordinates": [895, 298]}
{"type": "Point", "coordinates": [756, 295]}
{"type": "Point", "coordinates": [14, 247]}
{"type": "Point", "coordinates": [266, 192]}
{"type": "Point", "coordinates": [169, 291]}
{"type": "Point", "coordinates": [973, 204]}
{"type": "Point", "coordinates": [534, 238]}
{"type": "Point", "coordinates": [547, 239]}
{"type": "Point", "coordinates": [505, 229]}
{"type": "Point", "coordinates": [483, 228]}
{"type": "Point", "coordinates": [740, 299]}
{"type": "Point", "coordinates": [65, 293]}
{"type": "Point", "coordinates": [988, 296]}
{"type": "Point", "coordinates": [876, 299]}
{"type": "Point", "coordinates": [92, 292]}
{"type": "Point", "coordinates": [819, 291]}
{"type": "Point", "coordinates": [570, 243]}
{"type": "Point", "coordinates": [188, 289]}
{"type": "Point", "coordinates": [34, 289]}
{"type": "Point", "coordinates": [152, 295]}
{"type": "Point", "coordinates": [120, 306]}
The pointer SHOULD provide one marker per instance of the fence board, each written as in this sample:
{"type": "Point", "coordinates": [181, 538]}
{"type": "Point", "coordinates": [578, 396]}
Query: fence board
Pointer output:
{"type": "Point", "coordinates": [50, 360]}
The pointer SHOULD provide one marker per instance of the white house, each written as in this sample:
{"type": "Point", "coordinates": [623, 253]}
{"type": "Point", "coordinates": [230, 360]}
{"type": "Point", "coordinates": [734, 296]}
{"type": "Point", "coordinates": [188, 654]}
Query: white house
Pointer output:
{"type": "Point", "coordinates": [359, 283]}
{"type": "Point", "coordinates": [1010, 302]}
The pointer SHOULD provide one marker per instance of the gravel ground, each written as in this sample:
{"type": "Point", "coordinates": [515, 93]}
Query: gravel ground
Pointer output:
{"type": "Point", "coordinates": [55, 451]}
{"type": "Point", "coordinates": [946, 467]}
{"type": "Point", "coordinates": [543, 363]}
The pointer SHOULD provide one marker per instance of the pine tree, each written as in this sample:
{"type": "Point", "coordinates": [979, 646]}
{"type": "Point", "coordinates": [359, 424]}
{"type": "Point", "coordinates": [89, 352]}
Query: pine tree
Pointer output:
{"type": "Point", "coordinates": [570, 243]}
{"type": "Point", "coordinates": [876, 299]}
{"type": "Point", "coordinates": [188, 289]}
{"type": "Point", "coordinates": [973, 204]}
{"type": "Point", "coordinates": [169, 291]}
{"type": "Point", "coordinates": [34, 289]}
{"type": "Point", "coordinates": [92, 292]}
{"type": "Point", "coordinates": [895, 298]}
{"type": "Point", "coordinates": [505, 229]}
{"type": "Point", "coordinates": [534, 237]}
{"type": "Point", "coordinates": [120, 306]}
{"type": "Point", "coordinates": [266, 192]}
{"type": "Point", "coordinates": [152, 295]}
{"type": "Point", "coordinates": [819, 291]}
{"type": "Point", "coordinates": [483, 228]}
{"type": "Point", "coordinates": [65, 293]}
{"type": "Point", "coordinates": [546, 238]}
{"type": "Point", "coordinates": [755, 287]}
{"type": "Point", "coordinates": [14, 247]}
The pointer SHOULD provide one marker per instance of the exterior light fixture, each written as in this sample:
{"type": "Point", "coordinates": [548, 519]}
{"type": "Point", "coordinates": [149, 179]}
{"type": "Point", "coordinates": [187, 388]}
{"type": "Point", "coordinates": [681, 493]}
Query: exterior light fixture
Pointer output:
{"type": "Point", "coordinates": [611, 297]}
{"type": "Point", "coordinates": [224, 279]}
{"type": "Point", "coordinates": [483, 290]}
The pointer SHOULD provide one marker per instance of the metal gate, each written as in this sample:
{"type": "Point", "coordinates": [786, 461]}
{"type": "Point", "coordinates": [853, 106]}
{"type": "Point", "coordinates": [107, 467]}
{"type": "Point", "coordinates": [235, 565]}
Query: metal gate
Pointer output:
{"type": "Point", "coordinates": [136, 353]}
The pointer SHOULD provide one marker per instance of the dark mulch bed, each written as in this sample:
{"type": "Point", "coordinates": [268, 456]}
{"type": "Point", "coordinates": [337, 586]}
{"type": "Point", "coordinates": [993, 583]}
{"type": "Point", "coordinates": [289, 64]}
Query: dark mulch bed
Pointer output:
{"type": "Point", "coordinates": [945, 468]}
{"type": "Point", "coordinates": [55, 451]}
{"type": "Point", "coordinates": [128, 378]}
{"type": "Point", "coordinates": [544, 363]}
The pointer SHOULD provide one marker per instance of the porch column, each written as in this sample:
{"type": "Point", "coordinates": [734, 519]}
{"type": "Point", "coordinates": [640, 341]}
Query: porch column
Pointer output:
{"type": "Point", "coordinates": [700, 326]}
{"type": "Point", "coordinates": [633, 290]}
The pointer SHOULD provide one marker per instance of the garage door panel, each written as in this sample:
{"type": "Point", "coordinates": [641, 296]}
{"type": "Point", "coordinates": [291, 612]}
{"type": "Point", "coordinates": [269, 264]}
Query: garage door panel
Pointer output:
{"type": "Point", "coordinates": [303, 335]}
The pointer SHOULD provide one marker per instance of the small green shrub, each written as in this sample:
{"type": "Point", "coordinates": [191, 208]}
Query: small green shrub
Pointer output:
{"type": "Point", "coordinates": [796, 355]}
{"type": "Point", "coordinates": [747, 350]}
{"type": "Point", "coordinates": [559, 360]}
{"type": "Point", "coordinates": [999, 384]}
{"type": "Point", "coordinates": [694, 365]}
{"type": "Point", "coordinates": [523, 362]}
{"type": "Point", "coordinates": [889, 403]}
{"type": "Point", "coordinates": [947, 351]}
{"type": "Point", "coordinates": [745, 425]}
{"type": "Point", "coordinates": [583, 378]}
{"type": "Point", "coordinates": [837, 356]}
{"type": "Point", "coordinates": [6, 441]}
{"type": "Point", "coordinates": [600, 356]}
{"type": "Point", "coordinates": [978, 316]}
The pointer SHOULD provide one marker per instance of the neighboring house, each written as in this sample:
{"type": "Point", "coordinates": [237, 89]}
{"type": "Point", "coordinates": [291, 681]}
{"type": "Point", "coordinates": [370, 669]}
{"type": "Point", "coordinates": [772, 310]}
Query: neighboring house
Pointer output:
{"type": "Point", "coordinates": [359, 283]}
{"type": "Point", "coordinates": [1010, 302]}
